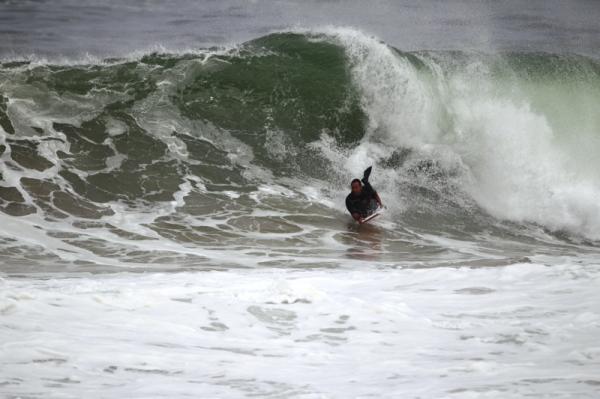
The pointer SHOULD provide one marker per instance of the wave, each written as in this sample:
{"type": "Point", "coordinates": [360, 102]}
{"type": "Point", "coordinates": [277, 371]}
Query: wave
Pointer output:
{"type": "Point", "coordinates": [142, 147]}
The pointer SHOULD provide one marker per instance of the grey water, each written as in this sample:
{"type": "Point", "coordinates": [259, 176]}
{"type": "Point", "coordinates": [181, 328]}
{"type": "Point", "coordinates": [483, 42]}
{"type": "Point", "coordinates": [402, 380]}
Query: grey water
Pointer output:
{"type": "Point", "coordinates": [116, 28]}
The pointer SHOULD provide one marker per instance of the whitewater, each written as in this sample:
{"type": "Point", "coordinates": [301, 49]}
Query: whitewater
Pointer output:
{"type": "Point", "coordinates": [173, 222]}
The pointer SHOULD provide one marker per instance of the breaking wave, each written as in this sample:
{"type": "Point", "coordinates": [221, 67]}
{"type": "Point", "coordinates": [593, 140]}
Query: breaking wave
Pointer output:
{"type": "Point", "coordinates": [149, 159]}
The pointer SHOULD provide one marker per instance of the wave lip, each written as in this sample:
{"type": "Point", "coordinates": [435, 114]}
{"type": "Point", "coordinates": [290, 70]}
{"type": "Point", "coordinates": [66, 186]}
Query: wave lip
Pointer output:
{"type": "Point", "coordinates": [515, 131]}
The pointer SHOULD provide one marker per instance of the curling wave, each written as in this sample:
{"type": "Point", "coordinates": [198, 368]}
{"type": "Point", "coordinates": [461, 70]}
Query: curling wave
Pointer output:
{"type": "Point", "coordinates": [250, 143]}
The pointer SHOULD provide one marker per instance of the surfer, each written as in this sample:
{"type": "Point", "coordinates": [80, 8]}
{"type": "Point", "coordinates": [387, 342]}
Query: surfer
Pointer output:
{"type": "Point", "coordinates": [363, 201]}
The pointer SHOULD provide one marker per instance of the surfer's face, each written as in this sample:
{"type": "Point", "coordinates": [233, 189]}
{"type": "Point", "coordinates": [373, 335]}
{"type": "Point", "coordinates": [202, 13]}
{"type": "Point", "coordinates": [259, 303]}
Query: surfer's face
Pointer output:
{"type": "Point", "coordinates": [356, 187]}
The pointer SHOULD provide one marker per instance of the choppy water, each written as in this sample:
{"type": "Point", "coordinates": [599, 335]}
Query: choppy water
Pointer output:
{"type": "Point", "coordinates": [173, 221]}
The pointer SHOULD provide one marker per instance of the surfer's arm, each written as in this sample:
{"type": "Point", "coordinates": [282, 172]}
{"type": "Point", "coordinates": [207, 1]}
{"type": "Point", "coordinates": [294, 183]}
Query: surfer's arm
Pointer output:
{"type": "Point", "coordinates": [374, 193]}
{"type": "Point", "coordinates": [356, 216]}
{"type": "Point", "coordinates": [353, 211]}
{"type": "Point", "coordinates": [378, 199]}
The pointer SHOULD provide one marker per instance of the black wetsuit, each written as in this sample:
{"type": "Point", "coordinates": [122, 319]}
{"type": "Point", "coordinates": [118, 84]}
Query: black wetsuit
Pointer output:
{"type": "Point", "coordinates": [364, 203]}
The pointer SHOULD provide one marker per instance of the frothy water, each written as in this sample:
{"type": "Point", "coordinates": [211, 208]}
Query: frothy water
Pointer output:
{"type": "Point", "coordinates": [510, 331]}
{"type": "Point", "coordinates": [185, 210]}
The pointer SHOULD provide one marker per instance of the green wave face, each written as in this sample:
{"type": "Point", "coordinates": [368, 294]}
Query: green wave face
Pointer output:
{"type": "Point", "coordinates": [284, 82]}
{"type": "Point", "coordinates": [455, 137]}
{"type": "Point", "coordinates": [276, 93]}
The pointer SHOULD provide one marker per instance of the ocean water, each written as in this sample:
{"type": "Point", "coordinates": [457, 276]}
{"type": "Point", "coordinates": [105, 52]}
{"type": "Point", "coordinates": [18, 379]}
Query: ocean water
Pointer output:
{"type": "Point", "coordinates": [172, 184]}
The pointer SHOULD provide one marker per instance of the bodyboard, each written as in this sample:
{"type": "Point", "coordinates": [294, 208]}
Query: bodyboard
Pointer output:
{"type": "Point", "coordinates": [372, 216]}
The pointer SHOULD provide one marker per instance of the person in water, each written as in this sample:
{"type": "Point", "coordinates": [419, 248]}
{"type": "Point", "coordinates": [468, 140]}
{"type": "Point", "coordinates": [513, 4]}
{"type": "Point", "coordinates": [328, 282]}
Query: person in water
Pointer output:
{"type": "Point", "coordinates": [363, 200]}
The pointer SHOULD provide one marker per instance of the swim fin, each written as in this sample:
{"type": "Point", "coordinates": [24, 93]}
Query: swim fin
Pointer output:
{"type": "Point", "coordinates": [366, 175]}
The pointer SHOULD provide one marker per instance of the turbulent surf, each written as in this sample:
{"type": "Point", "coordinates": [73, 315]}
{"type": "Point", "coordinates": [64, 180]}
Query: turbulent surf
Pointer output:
{"type": "Point", "coordinates": [167, 159]}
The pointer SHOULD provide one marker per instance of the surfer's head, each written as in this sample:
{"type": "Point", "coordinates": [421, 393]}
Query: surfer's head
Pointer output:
{"type": "Point", "coordinates": [356, 186]}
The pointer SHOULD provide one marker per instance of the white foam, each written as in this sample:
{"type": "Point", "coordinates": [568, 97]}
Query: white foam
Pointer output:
{"type": "Point", "coordinates": [115, 127]}
{"type": "Point", "coordinates": [504, 152]}
{"type": "Point", "coordinates": [522, 330]}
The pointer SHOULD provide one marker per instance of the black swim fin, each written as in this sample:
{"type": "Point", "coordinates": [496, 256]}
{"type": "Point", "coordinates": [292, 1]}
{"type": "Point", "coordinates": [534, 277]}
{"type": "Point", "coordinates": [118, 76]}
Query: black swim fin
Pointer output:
{"type": "Point", "coordinates": [366, 175]}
